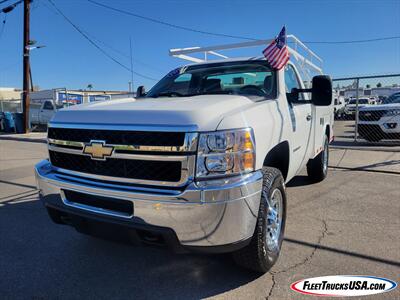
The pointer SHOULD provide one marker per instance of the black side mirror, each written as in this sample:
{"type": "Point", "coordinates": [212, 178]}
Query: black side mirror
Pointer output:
{"type": "Point", "coordinates": [140, 92]}
{"type": "Point", "coordinates": [293, 96]}
{"type": "Point", "coordinates": [321, 90]}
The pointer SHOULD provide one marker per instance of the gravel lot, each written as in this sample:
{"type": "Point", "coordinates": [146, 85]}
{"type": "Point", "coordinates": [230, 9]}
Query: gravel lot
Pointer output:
{"type": "Point", "coordinates": [348, 224]}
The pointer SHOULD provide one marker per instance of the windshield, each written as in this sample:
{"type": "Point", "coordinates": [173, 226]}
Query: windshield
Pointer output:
{"type": "Point", "coordinates": [395, 98]}
{"type": "Point", "coordinates": [248, 78]}
{"type": "Point", "coordinates": [360, 101]}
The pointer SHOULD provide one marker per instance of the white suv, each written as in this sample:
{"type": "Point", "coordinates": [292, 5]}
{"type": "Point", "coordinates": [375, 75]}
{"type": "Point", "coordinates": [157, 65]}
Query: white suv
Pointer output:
{"type": "Point", "coordinates": [378, 122]}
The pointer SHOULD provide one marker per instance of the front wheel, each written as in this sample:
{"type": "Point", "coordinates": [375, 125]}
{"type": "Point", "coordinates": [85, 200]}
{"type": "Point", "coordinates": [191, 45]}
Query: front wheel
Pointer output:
{"type": "Point", "coordinates": [263, 251]}
{"type": "Point", "coordinates": [317, 168]}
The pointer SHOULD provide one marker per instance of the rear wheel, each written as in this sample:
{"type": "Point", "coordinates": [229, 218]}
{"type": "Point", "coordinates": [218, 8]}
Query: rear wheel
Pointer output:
{"type": "Point", "coordinates": [317, 168]}
{"type": "Point", "coordinates": [263, 251]}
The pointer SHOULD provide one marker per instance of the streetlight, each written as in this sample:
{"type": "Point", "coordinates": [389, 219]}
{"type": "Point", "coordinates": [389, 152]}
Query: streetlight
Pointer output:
{"type": "Point", "coordinates": [29, 48]}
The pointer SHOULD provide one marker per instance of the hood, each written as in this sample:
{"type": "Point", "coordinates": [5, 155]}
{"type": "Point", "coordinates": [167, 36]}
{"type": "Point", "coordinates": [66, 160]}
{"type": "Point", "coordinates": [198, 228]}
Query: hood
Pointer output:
{"type": "Point", "coordinates": [381, 107]}
{"type": "Point", "coordinates": [200, 113]}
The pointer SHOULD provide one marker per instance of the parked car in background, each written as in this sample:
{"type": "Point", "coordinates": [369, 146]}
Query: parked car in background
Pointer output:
{"type": "Point", "coordinates": [339, 106]}
{"type": "Point", "coordinates": [350, 108]}
{"type": "Point", "coordinates": [41, 112]}
{"type": "Point", "coordinates": [378, 122]}
{"type": "Point", "coordinates": [374, 100]}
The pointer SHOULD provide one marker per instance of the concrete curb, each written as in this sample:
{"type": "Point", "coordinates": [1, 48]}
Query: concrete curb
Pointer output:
{"type": "Point", "coordinates": [24, 139]}
{"type": "Point", "coordinates": [367, 148]}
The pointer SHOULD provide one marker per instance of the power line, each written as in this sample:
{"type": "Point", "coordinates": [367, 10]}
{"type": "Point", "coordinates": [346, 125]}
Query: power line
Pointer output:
{"type": "Point", "coordinates": [107, 45]}
{"type": "Point", "coordinates": [228, 35]}
{"type": "Point", "coordinates": [354, 41]}
{"type": "Point", "coordinates": [3, 1]}
{"type": "Point", "coordinates": [4, 25]}
{"type": "Point", "coordinates": [11, 7]}
{"type": "Point", "coordinates": [170, 24]}
{"type": "Point", "coordinates": [119, 52]}
{"type": "Point", "coordinates": [94, 44]}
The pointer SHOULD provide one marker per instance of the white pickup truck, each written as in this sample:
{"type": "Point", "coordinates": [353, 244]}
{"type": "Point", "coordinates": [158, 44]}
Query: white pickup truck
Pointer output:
{"type": "Point", "coordinates": [41, 112]}
{"type": "Point", "coordinates": [199, 163]}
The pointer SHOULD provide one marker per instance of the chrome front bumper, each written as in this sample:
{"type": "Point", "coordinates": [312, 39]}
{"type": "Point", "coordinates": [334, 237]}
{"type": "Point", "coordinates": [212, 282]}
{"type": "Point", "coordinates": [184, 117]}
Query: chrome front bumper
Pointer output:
{"type": "Point", "coordinates": [207, 213]}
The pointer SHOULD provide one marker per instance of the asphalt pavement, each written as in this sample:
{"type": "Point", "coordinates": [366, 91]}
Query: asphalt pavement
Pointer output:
{"type": "Point", "coordinates": [348, 224]}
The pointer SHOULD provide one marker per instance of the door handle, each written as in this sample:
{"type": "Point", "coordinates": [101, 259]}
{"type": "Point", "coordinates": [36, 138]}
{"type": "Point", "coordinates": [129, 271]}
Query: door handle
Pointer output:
{"type": "Point", "coordinates": [308, 117]}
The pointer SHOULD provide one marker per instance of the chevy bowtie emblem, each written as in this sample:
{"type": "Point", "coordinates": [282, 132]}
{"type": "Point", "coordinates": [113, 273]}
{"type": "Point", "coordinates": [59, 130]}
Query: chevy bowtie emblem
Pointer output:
{"type": "Point", "coordinates": [98, 150]}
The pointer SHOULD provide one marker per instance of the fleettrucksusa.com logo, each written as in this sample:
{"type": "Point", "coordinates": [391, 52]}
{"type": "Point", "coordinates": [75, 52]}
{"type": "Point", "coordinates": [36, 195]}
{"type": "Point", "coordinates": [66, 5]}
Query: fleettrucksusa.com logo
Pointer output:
{"type": "Point", "coordinates": [343, 285]}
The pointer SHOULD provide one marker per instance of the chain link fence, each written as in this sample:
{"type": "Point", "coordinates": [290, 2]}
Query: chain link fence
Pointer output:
{"type": "Point", "coordinates": [367, 110]}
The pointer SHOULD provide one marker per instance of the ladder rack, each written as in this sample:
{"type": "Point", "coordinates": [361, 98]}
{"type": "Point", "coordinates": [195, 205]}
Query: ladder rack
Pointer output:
{"type": "Point", "coordinates": [308, 61]}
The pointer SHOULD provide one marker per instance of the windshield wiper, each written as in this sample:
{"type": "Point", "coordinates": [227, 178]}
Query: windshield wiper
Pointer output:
{"type": "Point", "coordinates": [168, 94]}
{"type": "Point", "coordinates": [210, 93]}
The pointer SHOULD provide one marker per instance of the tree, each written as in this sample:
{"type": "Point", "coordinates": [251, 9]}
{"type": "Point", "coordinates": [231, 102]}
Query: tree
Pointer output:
{"type": "Point", "coordinates": [368, 86]}
{"type": "Point", "coordinates": [378, 85]}
{"type": "Point", "coordinates": [90, 86]}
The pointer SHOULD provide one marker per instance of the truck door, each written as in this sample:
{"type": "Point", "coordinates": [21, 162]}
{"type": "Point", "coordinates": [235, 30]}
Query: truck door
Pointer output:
{"type": "Point", "coordinates": [47, 112]}
{"type": "Point", "coordinates": [301, 119]}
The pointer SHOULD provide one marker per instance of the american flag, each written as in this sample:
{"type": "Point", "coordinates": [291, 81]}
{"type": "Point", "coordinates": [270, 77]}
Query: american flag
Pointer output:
{"type": "Point", "coordinates": [277, 53]}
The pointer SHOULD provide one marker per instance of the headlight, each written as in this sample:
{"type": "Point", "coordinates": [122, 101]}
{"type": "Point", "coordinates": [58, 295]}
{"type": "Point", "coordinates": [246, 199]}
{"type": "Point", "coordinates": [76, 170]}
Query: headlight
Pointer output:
{"type": "Point", "coordinates": [227, 152]}
{"type": "Point", "coordinates": [393, 112]}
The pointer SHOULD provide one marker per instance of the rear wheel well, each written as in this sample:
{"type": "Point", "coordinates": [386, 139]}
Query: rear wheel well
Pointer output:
{"type": "Point", "coordinates": [278, 157]}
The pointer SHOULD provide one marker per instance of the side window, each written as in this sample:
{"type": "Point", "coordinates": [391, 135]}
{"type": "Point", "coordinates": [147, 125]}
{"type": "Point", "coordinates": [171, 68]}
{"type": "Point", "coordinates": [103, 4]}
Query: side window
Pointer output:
{"type": "Point", "coordinates": [181, 83]}
{"type": "Point", "coordinates": [291, 81]}
{"type": "Point", "coordinates": [48, 105]}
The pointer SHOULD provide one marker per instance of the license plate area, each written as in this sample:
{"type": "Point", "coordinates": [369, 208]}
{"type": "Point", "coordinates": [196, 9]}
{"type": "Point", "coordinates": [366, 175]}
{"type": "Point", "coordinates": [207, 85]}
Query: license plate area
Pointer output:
{"type": "Point", "coordinates": [98, 204]}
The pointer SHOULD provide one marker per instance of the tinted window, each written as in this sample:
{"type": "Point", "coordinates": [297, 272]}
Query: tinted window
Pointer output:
{"type": "Point", "coordinates": [360, 101]}
{"type": "Point", "coordinates": [48, 105]}
{"type": "Point", "coordinates": [395, 98]}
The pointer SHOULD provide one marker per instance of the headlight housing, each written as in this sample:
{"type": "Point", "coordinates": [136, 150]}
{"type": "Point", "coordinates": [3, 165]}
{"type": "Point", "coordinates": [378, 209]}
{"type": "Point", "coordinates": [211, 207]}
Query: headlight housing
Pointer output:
{"type": "Point", "coordinates": [227, 152]}
{"type": "Point", "coordinates": [393, 112]}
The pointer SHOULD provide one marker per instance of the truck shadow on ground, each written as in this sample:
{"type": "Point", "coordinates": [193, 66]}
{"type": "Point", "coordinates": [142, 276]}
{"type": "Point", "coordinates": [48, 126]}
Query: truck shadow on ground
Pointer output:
{"type": "Point", "coordinates": [300, 180]}
{"type": "Point", "coordinates": [45, 260]}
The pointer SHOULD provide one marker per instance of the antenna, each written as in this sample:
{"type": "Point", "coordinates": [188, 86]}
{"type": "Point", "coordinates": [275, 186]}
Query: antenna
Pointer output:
{"type": "Point", "coordinates": [130, 50]}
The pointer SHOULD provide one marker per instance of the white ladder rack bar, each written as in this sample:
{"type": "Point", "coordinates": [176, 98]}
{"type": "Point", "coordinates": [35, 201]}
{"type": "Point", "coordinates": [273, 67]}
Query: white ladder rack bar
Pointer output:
{"type": "Point", "coordinates": [304, 61]}
{"type": "Point", "coordinates": [173, 52]}
{"type": "Point", "coordinates": [297, 41]}
{"type": "Point", "coordinates": [183, 52]}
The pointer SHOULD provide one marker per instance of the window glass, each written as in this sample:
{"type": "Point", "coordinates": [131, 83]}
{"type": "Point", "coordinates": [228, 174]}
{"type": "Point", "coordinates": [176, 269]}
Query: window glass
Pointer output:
{"type": "Point", "coordinates": [253, 79]}
{"type": "Point", "coordinates": [395, 98]}
{"type": "Point", "coordinates": [291, 81]}
{"type": "Point", "coordinates": [181, 83]}
{"type": "Point", "coordinates": [48, 105]}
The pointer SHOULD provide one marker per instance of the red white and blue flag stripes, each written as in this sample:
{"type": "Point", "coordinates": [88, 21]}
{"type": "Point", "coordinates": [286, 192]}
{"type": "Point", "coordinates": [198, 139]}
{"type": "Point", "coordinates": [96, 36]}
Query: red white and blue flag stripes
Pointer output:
{"type": "Point", "coordinates": [277, 53]}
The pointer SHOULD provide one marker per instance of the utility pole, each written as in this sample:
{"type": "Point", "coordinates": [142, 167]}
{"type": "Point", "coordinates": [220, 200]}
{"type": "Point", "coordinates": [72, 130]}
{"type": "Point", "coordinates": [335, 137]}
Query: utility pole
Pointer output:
{"type": "Point", "coordinates": [30, 78]}
{"type": "Point", "coordinates": [26, 67]}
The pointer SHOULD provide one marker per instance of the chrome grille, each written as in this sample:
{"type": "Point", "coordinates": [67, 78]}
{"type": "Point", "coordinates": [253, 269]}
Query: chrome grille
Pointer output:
{"type": "Point", "coordinates": [153, 158]}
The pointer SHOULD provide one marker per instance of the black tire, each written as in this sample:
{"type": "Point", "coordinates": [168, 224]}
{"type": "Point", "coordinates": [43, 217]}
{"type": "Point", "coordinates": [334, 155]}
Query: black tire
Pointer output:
{"type": "Point", "coordinates": [257, 256]}
{"type": "Point", "coordinates": [317, 168]}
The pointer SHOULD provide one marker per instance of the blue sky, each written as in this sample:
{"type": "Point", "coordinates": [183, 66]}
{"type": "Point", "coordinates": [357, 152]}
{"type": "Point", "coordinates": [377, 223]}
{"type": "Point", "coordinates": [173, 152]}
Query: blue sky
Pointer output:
{"type": "Point", "coordinates": [71, 61]}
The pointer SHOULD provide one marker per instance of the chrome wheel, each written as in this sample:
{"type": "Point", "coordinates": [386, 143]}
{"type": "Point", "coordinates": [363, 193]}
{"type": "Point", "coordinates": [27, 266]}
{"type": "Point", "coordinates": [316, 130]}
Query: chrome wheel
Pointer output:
{"type": "Point", "coordinates": [274, 220]}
